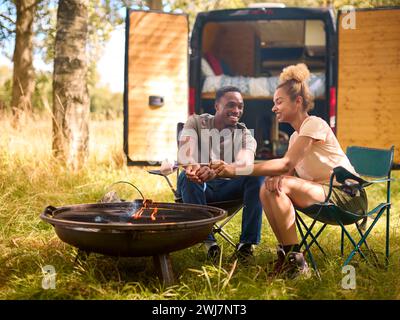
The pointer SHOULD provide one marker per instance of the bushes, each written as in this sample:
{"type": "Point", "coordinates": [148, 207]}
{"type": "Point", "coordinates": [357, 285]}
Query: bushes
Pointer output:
{"type": "Point", "coordinates": [5, 87]}
{"type": "Point", "coordinates": [104, 104]}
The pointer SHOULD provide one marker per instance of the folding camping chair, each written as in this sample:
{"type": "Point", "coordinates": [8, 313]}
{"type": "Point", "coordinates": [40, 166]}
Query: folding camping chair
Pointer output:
{"type": "Point", "coordinates": [375, 163]}
{"type": "Point", "coordinates": [231, 206]}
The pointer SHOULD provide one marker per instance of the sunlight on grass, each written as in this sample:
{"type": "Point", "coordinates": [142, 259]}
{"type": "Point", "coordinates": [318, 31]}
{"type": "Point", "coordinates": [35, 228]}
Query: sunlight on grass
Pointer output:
{"type": "Point", "coordinates": [31, 179]}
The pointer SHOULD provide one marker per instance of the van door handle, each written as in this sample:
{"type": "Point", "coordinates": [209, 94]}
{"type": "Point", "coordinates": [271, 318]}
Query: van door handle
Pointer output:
{"type": "Point", "coordinates": [156, 101]}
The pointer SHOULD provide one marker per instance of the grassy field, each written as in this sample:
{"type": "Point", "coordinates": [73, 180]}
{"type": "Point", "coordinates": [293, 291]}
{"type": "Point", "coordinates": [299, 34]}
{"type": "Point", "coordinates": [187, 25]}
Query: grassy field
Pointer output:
{"type": "Point", "coordinates": [31, 179]}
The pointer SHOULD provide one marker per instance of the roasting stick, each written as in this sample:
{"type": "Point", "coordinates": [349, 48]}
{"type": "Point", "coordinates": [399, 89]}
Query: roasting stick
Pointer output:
{"type": "Point", "coordinates": [201, 164]}
{"type": "Point", "coordinates": [167, 168]}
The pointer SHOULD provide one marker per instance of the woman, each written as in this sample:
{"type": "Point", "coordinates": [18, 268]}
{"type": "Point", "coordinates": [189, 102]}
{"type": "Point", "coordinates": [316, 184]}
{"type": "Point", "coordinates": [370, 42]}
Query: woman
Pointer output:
{"type": "Point", "coordinates": [301, 177]}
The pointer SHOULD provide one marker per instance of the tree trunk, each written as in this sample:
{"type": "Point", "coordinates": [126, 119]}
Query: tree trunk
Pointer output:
{"type": "Point", "coordinates": [155, 4]}
{"type": "Point", "coordinates": [70, 91]}
{"type": "Point", "coordinates": [23, 72]}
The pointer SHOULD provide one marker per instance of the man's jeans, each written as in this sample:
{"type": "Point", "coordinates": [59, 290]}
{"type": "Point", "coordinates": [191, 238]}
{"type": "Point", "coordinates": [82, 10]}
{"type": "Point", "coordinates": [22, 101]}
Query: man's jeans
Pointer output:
{"type": "Point", "coordinates": [245, 187]}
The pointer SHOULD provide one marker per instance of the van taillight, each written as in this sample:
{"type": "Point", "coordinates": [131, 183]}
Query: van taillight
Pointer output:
{"type": "Point", "coordinates": [332, 108]}
{"type": "Point", "coordinates": [191, 100]}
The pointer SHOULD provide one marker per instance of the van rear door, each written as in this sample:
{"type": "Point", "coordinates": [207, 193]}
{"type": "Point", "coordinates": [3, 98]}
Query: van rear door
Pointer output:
{"type": "Point", "coordinates": [368, 94]}
{"type": "Point", "coordinates": [156, 84]}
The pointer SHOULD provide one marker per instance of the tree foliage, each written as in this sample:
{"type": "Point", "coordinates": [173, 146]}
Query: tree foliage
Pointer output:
{"type": "Point", "coordinates": [8, 16]}
{"type": "Point", "coordinates": [192, 7]}
{"type": "Point", "coordinates": [104, 16]}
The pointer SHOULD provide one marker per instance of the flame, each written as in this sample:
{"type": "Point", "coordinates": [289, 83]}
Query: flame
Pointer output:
{"type": "Point", "coordinates": [153, 214]}
{"type": "Point", "coordinates": [146, 204]}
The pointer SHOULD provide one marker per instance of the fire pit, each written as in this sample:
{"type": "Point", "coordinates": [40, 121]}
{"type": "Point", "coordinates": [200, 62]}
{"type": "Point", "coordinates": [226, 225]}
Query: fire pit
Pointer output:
{"type": "Point", "coordinates": [113, 228]}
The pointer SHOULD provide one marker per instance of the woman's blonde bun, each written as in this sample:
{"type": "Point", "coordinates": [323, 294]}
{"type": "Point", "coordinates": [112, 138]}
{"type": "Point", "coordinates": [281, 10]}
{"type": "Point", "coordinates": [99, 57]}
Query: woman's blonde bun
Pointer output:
{"type": "Point", "coordinates": [298, 72]}
{"type": "Point", "coordinates": [294, 79]}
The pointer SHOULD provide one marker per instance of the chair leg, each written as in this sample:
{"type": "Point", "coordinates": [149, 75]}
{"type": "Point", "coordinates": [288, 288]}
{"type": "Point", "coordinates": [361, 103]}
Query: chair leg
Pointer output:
{"type": "Point", "coordinates": [387, 235]}
{"type": "Point", "coordinates": [229, 218]}
{"type": "Point", "coordinates": [218, 228]}
{"type": "Point", "coordinates": [314, 238]}
{"type": "Point", "coordinates": [363, 239]}
{"type": "Point", "coordinates": [366, 243]}
{"type": "Point", "coordinates": [314, 265]}
{"type": "Point", "coordinates": [309, 233]}
{"type": "Point", "coordinates": [305, 226]}
{"type": "Point", "coordinates": [223, 234]}
{"type": "Point", "coordinates": [356, 246]}
{"type": "Point", "coordinates": [342, 243]}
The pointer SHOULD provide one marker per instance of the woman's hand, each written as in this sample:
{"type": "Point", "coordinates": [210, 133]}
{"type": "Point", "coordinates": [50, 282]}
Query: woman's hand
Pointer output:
{"type": "Point", "coordinates": [166, 168]}
{"type": "Point", "coordinates": [273, 184]}
{"type": "Point", "coordinates": [222, 169]}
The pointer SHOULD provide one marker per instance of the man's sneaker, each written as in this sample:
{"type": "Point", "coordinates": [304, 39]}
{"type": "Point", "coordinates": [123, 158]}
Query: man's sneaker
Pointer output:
{"type": "Point", "coordinates": [296, 265]}
{"type": "Point", "coordinates": [244, 252]}
{"type": "Point", "coordinates": [213, 250]}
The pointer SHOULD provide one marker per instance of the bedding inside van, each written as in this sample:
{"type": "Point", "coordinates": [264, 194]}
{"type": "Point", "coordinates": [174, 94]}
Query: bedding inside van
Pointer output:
{"type": "Point", "coordinates": [259, 86]}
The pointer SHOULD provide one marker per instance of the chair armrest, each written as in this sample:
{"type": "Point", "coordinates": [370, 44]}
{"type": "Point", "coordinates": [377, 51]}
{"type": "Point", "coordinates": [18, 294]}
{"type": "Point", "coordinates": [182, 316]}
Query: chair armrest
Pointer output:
{"type": "Point", "coordinates": [382, 180]}
{"type": "Point", "coordinates": [328, 196]}
{"type": "Point", "coordinates": [342, 175]}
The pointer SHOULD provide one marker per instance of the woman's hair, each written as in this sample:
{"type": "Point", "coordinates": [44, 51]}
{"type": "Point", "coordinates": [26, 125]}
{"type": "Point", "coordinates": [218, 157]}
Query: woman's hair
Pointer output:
{"type": "Point", "coordinates": [294, 80]}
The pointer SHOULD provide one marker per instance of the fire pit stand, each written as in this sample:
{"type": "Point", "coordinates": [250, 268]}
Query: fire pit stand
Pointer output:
{"type": "Point", "coordinates": [163, 265]}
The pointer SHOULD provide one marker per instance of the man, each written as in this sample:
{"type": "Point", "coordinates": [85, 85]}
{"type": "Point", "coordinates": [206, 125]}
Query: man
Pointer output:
{"type": "Point", "coordinates": [207, 138]}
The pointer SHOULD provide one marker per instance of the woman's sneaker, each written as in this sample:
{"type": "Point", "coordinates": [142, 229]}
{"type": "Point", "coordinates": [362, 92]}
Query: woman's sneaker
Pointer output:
{"type": "Point", "coordinates": [296, 265]}
{"type": "Point", "coordinates": [277, 265]}
{"type": "Point", "coordinates": [291, 265]}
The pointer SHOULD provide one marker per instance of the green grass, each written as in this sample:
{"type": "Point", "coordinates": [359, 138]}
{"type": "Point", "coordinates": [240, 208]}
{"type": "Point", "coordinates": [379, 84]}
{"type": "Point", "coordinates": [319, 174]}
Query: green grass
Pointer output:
{"type": "Point", "coordinates": [30, 179]}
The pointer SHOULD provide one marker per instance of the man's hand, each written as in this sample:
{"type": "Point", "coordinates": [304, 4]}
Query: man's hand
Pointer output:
{"type": "Point", "coordinates": [222, 169]}
{"type": "Point", "coordinates": [205, 173]}
{"type": "Point", "coordinates": [273, 184]}
{"type": "Point", "coordinates": [191, 172]}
